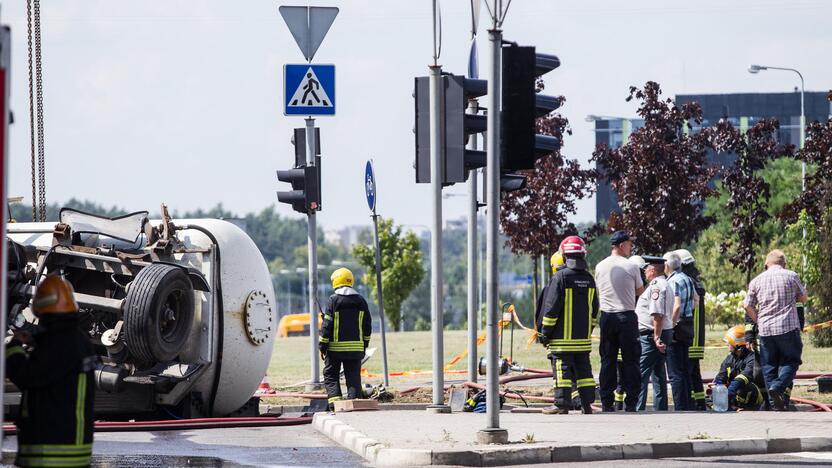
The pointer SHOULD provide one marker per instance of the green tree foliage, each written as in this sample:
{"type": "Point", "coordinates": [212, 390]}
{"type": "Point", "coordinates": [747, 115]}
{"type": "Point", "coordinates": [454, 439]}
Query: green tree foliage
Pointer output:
{"type": "Point", "coordinates": [401, 267]}
{"type": "Point", "coordinates": [718, 273]}
{"type": "Point", "coordinates": [22, 213]}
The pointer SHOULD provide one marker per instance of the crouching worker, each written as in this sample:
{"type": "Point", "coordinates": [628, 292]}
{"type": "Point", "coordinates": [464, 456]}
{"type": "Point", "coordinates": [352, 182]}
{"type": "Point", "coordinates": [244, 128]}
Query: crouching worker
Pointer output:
{"type": "Point", "coordinates": [345, 335]}
{"type": "Point", "coordinates": [737, 372]}
{"type": "Point", "coordinates": [55, 377]}
{"type": "Point", "coordinates": [569, 309]}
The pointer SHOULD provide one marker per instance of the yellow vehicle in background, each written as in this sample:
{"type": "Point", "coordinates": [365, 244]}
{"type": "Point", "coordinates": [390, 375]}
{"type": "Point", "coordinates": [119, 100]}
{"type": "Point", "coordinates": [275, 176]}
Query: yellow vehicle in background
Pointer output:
{"type": "Point", "coordinates": [295, 325]}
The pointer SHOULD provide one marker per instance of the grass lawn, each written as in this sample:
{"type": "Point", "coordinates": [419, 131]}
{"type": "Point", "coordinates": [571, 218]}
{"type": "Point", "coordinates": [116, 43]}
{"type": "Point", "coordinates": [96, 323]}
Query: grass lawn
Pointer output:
{"type": "Point", "coordinates": [412, 351]}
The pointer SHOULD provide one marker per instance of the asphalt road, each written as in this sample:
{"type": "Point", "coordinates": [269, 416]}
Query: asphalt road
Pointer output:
{"type": "Point", "coordinates": [272, 446]}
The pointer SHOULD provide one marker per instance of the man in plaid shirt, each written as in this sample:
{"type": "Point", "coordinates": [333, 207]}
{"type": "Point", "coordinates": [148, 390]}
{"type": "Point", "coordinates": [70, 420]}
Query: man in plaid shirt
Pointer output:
{"type": "Point", "coordinates": [771, 303]}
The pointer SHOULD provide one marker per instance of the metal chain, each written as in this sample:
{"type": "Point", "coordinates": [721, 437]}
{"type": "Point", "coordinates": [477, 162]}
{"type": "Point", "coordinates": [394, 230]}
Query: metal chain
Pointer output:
{"type": "Point", "coordinates": [32, 115]}
{"type": "Point", "coordinates": [41, 149]}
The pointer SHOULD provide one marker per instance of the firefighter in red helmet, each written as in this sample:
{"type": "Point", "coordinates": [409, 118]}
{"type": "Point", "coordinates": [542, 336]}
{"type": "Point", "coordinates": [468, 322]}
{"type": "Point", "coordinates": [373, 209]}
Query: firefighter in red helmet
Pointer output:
{"type": "Point", "coordinates": [570, 307]}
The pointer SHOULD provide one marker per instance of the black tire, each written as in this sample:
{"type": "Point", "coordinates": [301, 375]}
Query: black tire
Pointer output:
{"type": "Point", "coordinates": [158, 312]}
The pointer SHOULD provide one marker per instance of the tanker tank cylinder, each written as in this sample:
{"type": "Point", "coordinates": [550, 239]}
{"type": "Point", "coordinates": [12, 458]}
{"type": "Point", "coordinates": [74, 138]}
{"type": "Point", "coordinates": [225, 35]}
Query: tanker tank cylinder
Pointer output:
{"type": "Point", "coordinates": [110, 378]}
{"type": "Point", "coordinates": [116, 349]}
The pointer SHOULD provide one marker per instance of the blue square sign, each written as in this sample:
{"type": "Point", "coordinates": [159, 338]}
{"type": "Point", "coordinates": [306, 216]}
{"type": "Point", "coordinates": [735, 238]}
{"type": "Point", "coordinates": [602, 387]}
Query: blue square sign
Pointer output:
{"type": "Point", "coordinates": [309, 89]}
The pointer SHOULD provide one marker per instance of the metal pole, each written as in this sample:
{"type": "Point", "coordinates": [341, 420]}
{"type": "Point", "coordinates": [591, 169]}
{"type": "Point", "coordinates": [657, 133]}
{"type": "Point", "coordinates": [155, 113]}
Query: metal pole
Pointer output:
{"type": "Point", "coordinates": [473, 290]}
{"type": "Point", "coordinates": [381, 302]}
{"type": "Point", "coordinates": [802, 130]}
{"type": "Point", "coordinates": [436, 177]}
{"type": "Point", "coordinates": [315, 382]}
{"type": "Point", "coordinates": [495, 38]}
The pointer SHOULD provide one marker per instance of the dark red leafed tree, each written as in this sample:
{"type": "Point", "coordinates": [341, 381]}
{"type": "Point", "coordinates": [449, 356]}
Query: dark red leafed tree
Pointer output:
{"type": "Point", "coordinates": [660, 175]}
{"type": "Point", "coordinates": [817, 151]}
{"type": "Point", "coordinates": [748, 193]}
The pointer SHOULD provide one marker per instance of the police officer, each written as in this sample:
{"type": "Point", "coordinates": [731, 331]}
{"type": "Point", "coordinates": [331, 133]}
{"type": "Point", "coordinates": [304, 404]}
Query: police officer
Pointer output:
{"type": "Point", "coordinates": [345, 335]}
{"type": "Point", "coordinates": [696, 352]}
{"type": "Point", "coordinates": [570, 307]}
{"type": "Point", "coordinates": [55, 376]}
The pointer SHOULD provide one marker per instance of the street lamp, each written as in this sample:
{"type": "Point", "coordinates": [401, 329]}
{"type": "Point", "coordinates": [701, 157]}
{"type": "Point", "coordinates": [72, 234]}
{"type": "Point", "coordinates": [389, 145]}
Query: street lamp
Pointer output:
{"type": "Point", "coordinates": [754, 69]}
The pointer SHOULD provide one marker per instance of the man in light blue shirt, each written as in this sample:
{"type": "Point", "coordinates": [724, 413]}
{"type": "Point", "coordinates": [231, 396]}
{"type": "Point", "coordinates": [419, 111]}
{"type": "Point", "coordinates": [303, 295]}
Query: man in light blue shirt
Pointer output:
{"type": "Point", "coordinates": [685, 300]}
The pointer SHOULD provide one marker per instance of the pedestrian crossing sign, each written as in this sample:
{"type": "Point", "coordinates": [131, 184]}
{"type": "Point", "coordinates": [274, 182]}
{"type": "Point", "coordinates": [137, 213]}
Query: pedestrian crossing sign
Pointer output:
{"type": "Point", "coordinates": [309, 89]}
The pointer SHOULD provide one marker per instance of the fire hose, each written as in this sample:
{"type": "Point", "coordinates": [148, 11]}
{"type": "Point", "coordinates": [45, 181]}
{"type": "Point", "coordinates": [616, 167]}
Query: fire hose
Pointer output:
{"type": "Point", "coordinates": [186, 424]}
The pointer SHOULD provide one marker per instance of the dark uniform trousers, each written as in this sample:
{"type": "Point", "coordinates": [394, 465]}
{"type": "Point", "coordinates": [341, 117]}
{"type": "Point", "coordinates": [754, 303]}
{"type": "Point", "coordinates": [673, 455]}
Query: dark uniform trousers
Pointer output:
{"type": "Point", "coordinates": [332, 373]}
{"type": "Point", "coordinates": [696, 352]}
{"type": "Point", "coordinates": [619, 331]}
{"type": "Point", "coordinates": [569, 369]}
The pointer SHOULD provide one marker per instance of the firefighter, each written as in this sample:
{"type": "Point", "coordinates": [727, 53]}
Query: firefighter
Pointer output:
{"type": "Point", "coordinates": [53, 368]}
{"type": "Point", "coordinates": [737, 372]}
{"type": "Point", "coordinates": [696, 352]}
{"type": "Point", "coordinates": [345, 335]}
{"type": "Point", "coordinates": [570, 308]}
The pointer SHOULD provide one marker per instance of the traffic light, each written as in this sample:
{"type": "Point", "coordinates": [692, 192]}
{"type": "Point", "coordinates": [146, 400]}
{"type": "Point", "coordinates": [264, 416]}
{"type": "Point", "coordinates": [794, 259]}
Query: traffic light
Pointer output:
{"type": "Point", "coordinates": [522, 105]}
{"type": "Point", "coordinates": [458, 126]}
{"type": "Point", "coordinates": [305, 194]}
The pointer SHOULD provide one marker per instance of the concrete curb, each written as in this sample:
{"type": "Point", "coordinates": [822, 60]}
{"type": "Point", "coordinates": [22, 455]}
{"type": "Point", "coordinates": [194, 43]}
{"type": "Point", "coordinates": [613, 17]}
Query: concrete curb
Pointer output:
{"type": "Point", "coordinates": [515, 454]}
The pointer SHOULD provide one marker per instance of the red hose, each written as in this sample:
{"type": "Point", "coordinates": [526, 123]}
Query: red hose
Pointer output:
{"type": "Point", "coordinates": [185, 424]}
{"type": "Point", "coordinates": [818, 406]}
{"type": "Point", "coordinates": [307, 396]}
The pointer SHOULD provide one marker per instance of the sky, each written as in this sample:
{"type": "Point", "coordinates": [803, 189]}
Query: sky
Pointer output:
{"type": "Point", "coordinates": [180, 101]}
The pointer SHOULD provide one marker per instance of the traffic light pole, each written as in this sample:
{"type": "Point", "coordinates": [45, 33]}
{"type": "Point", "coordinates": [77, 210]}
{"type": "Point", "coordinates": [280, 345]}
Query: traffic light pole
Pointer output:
{"type": "Point", "coordinates": [315, 382]}
{"type": "Point", "coordinates": [436, 178]}
{"type": "Point", "coordinates": [493, 433]}
{"type": "Point", "coordinates": [473, 290]}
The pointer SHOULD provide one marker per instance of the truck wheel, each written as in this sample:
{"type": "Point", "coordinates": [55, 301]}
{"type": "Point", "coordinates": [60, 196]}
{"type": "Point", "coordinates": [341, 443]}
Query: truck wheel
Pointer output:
{"type": "Point", "coordinates": [158, 312]}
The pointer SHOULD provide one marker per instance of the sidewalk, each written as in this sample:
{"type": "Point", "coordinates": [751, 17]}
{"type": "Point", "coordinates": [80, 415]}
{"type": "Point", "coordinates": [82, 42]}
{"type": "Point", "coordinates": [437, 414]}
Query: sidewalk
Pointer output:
{"type": "Point", "coordinates": [419, 438]}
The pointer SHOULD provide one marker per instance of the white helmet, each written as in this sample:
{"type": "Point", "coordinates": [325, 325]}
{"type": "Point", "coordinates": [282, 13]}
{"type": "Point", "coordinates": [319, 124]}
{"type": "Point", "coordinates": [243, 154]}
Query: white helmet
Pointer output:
{"type": "Point", "coordinates": [638, 260]}
{"type": "Point", "coordinates": [686, 256]}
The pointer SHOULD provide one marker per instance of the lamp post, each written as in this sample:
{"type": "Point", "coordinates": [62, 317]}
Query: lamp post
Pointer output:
{"type": "Point", "coordinates": [754, 69]}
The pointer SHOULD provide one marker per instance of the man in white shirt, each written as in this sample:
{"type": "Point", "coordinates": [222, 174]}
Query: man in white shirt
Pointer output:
{"type": "Point", "coordinates": [619, 283]}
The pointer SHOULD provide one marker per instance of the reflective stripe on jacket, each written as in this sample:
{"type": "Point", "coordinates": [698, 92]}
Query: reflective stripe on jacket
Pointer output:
{"type": "Point", "coordinates": [347, 324]}
{"type": "Point", "coordinates": [570, 306]}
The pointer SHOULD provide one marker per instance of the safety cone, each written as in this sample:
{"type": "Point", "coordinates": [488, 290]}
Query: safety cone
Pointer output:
{"type": "Point", "coordinates": [264, 387]}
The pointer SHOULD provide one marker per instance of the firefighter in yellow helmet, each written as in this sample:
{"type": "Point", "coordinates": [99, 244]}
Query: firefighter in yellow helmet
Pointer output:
{"type": "Point", "coordinates": [345, 335]}
{"type": "Point", "coordinates": [53, 368]}
{"type": "Point", "coordinates": [737, 372]}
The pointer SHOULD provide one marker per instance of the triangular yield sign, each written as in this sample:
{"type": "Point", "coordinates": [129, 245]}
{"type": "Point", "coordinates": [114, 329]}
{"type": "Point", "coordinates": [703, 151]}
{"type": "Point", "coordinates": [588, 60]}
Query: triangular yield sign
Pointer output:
{"type": "Point", "coordinates": [310, 92]}
{"type": "Point", "coordinates": [308, 26]}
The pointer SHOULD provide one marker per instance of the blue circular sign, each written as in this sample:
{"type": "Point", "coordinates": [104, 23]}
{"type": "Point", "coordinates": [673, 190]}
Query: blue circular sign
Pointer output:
{"type": "Point", "coordinates": [370, 186]}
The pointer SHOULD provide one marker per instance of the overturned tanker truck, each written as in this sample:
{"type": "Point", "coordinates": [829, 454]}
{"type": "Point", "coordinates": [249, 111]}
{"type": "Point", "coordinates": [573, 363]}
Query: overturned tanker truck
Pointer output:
{"type": "Point", "coordinates": [181, 314]}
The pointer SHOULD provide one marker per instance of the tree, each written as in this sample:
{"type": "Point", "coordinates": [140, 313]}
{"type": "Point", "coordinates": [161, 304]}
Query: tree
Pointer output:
{"type": "Point", "coordinates": [783, 177]}
{"type": "Point", "coordinates": [660, 175]}
{"type": "Point", "coordinates": [535, 218]}
{"type": "Point", "coordinates": [401, 267]}
{"type": "Point", "coordinates": [817, 152]}
{"type": "Point", "coordinates": [748, 192]}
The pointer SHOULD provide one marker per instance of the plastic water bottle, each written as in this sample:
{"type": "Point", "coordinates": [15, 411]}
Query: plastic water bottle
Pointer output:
{"type": "Point", "coordinates": [720, 396]}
